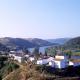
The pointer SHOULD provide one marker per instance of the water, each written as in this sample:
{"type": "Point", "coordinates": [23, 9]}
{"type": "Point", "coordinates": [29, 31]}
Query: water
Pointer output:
{"type": "Point", "coordinates": [41, 49]}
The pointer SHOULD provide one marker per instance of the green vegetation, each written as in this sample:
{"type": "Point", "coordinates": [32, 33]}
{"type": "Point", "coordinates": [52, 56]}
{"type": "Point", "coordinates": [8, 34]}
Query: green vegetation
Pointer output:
{"type": "Point", "coordinates": [6, 66]}
{"type": "Point", "coordinates": [20, 43]}
{"type": "Point", "coordinates": [33, 72]}
{"type": "Point", "coordinates": [12, 70]}
{"type": "Point", "coordinates": [71, 53]}
{"type": "Point", "coordinates": [73, 43]}
{"type": "Point", "coordinates": [51, 51]}
{"type": "Point", "coordinates": [28, 72]}
{"type": "Point", "coordinates": [36, 52]}
{"type": "Point", "coordinates": [76, 53]}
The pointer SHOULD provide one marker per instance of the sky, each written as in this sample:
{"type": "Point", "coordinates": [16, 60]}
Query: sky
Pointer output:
{"type": "Point", "coordinates": [46, 19]}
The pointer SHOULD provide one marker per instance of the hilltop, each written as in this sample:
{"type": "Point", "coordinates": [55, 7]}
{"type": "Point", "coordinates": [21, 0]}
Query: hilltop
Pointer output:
{"type": "Point", "coordinates": [73, 43]}
{"type": "Point", "coordinates": [20, 43]}
{"type": "Point", "coordinates": [59, 40]}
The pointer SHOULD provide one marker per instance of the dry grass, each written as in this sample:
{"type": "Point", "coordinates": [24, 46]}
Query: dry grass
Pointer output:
{"type": "Point", "coordinates": [29, 72]}
{"type": "Point", "coordinates": [26, 72]}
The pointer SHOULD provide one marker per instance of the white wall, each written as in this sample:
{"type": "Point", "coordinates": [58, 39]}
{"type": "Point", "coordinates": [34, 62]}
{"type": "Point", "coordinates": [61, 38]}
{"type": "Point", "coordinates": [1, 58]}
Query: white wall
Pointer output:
{"type": "Point", "coordinates": [19, 59]}
{"type": "Point", "coordinates": [71, 63]}
{"type": "Point", "coordinates": [61, 64]}
{"type": "Point", "coordinates": [31, 59]}
{"type": "Point", "coordinates": [43, 61]}
{"type": "Point", "coordinates": [11, 55]}
{"type": "Point", "coordinates": [57, 64]}
{"type": "Point", "coordinates": [51, 63]}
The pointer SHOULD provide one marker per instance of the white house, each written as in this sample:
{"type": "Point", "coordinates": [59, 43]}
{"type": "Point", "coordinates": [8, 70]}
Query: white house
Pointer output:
{"type": "Point", "coordinates": [31, 59]}
{"type": "Point", "coordinates": [60, 63]}
{"type": "Point", "coordinates": [71, 63]}
{"type": "Point", "coordinates": [18, 58]}
{"type": "Point", "coordinates": [45, 61]}
{"type": "Point", "coordinates": [57, 62]}
{"type": "Point", "coordinates": [11, 55]}
{"type": "Point", "coordinates": [42, 61]}
{"type": "Point", "coordinates": [27, 56]}
{"type": "Point", "coordinates": [51, 63]}
{"type": "Point", "coordinates": [12, 51]}
{"type": "Point", "coordinates": [50, 59]}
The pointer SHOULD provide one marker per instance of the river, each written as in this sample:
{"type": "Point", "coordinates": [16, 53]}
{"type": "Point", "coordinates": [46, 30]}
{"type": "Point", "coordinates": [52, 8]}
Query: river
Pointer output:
{"type": "Point", "coordinates": [41, 49]}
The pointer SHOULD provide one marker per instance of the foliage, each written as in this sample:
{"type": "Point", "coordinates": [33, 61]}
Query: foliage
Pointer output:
{"type": "Point", "coordinates": [26, 51]}
{"type": "Point", "coordinates": [68, 53]}
{"type": "Point", "coordinates": [20, 43]}
{"type": "Point", "coordinates": [73, 43]}
{"type": "Point", "coordinates": [51, 51]}
{"type": "Point", "coordinates": [6, 66]}
{"type": "Point", "coordinates": [9, 67]}
{"type": "Point", "coordinates": [36, 52]}
{"type": "Point", "coordinates": [3, 59]}
{"type": "Point", "coordinates": [25, 72]}
{"type": "Point", "coordinates": [76, 53]}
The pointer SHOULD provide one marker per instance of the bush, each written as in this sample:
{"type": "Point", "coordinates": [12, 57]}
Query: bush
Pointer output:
{"type": "Point", "coordinates": [9, 67]}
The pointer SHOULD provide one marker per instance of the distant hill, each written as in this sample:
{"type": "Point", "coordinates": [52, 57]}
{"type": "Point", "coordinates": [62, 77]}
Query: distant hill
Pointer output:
{"type": "Point", "coordinates": [3, 48]}
{"type": "Point", "coordinates": [20, 43]}
{"type": "Point", "coordinates": [73, 43]}
{"type": "Point", "coordinates": [59, 40]}
{"type": "Point", "coordinates": [40, 42]}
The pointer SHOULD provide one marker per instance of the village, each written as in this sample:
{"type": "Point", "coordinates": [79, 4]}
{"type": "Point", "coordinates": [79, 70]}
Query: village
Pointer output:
{"type": "Point", "coordinates": [59, 61]}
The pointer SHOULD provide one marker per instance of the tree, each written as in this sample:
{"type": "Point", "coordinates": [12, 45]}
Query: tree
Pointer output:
{"type": "Point", "coordinates": [51, 51]}
{"type": "Point", "coordinates": [36, 52]}
{"type": "Point", "coordinates": [26, 51]}
{"type": "Point", "coordinates": [69, 53]}
{"type": "Point", "coordinates": [45, 53]}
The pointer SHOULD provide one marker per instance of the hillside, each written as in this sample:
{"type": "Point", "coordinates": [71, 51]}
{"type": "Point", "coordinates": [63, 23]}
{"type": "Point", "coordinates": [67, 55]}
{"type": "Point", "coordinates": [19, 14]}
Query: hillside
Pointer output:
{"type": "Point", "coordinates": [40, 42]}
{"type": "Point", "coordinates": [73, 43]}
{"type": "Point", "coordinates": [3, 48]}
{"type": "Point", "coordinates": [59, 40]}
{"type": "Point", "coordinates": [6, 66]}
{"type": "Point", "coordinates": [33, 72]}
{"type": "Point", "coordinates": [19, 43]}
{"type": "Point", "coordinates": [28, 72]}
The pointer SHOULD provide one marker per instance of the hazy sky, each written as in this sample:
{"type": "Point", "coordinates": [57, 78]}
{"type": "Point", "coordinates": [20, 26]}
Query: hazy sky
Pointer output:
{"type": "Point", "coordinates": [39, 18]}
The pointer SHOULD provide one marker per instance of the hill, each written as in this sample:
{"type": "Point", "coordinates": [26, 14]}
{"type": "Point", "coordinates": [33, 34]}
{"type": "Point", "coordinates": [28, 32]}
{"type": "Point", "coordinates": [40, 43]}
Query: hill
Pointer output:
{"type": "Point", "coordinates": [6, 66]}
{"type": "Point", "coordinates": [19, 43]}
{"type": "Point", "coordinates": [3, 48]}
{"type": "Point", "coordinates": [59, 40]}
{"type": "Point", "coordinates": [40, 42]}
{"type": "Point", "coordinates": [73, 43]}
{"type": "Point", "coordinates": [33, 72]}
